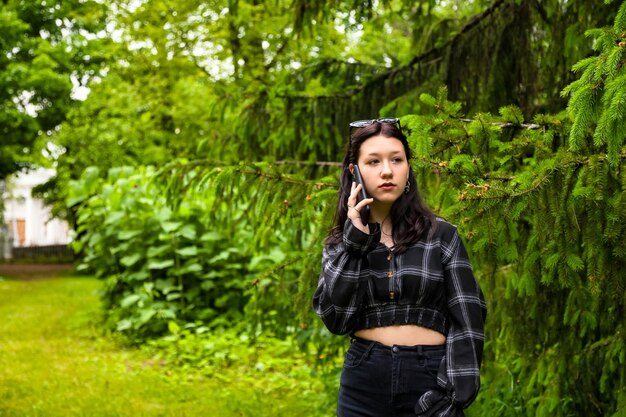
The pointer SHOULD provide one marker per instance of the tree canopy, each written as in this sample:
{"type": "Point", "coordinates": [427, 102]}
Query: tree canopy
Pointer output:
{"type": "Point", "coordinates": [252, 80]}
{"type": "Point", "coordinates": [46, 49]}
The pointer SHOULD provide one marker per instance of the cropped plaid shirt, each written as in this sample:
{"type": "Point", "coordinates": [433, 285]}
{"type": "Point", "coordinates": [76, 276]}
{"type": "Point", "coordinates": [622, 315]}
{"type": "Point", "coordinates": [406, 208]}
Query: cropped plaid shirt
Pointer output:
{"type": "Point", "coordinates": [364, 285]}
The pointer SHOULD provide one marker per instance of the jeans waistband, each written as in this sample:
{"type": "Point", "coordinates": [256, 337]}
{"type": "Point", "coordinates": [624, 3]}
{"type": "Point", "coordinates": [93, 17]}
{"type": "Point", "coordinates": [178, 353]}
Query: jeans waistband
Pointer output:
{"type": "Point", "coordinates": [419, 349]}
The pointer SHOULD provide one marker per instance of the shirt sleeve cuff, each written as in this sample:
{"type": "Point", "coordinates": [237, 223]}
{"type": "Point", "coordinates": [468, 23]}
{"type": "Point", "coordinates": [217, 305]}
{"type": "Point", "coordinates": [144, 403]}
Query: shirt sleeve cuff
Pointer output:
{"type": "Point", "coordinates": [359, 242]}
{"type": "Point", "coordinates": [437, 403]}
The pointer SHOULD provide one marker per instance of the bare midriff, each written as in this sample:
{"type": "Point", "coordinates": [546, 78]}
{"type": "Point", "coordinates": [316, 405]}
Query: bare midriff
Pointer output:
{"type": "Point", "coordinates": [404, 335]}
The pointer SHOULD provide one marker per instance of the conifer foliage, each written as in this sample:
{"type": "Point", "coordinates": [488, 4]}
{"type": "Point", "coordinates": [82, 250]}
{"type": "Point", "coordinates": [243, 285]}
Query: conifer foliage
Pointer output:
{"type": "Point", "coordinates": [598, 97]}
{"type": "Point", "coordinates": [544, 225]}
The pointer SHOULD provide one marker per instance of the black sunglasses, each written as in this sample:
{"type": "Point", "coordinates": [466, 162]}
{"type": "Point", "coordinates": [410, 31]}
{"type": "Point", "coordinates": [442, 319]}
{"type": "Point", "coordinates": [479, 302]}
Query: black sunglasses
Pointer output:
{"type": "Point", "coordinates": [364, 123]}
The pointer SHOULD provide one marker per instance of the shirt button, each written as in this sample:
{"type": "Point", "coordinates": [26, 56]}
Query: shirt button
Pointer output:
{"type": "Point", "coordinates": [395, 349]}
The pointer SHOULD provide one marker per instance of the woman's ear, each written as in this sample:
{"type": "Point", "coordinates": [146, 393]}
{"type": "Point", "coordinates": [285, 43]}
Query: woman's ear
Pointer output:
{"type": "Point", "coordinates": [351, 168]}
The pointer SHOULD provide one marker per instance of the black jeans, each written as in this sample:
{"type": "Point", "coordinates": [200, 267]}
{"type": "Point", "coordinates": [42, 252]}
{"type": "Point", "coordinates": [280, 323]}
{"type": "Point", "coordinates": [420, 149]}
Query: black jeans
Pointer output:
{"type": "Point", "coordinates": [386, 381]}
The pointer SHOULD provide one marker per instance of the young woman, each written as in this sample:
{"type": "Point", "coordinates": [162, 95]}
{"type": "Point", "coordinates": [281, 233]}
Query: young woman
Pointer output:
{"type": "Point", "coordinates": [398, 280]}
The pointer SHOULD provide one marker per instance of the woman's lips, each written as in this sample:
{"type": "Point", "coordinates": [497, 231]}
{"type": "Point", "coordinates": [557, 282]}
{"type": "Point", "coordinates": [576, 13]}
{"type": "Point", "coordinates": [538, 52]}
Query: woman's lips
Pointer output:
{"type": "Point", "coordinates": [387, 186]}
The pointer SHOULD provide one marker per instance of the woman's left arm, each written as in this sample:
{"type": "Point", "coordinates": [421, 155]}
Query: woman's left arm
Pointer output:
{"type": "Point", "coordinates": [459, 373]}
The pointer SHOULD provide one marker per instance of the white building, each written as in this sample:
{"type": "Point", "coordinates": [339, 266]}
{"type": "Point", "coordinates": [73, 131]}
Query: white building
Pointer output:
{"type": "Point", "coordinates": [27, 219]}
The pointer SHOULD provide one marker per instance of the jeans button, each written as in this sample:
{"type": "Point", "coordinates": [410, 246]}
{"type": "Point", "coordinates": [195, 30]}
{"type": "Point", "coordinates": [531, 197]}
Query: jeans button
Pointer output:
{"type": "Point", "coordinates": [395, 349]}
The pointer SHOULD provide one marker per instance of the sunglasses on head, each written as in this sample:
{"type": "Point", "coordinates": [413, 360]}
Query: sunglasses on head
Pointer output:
{"type": "Point", "coordinates": [364, 123]}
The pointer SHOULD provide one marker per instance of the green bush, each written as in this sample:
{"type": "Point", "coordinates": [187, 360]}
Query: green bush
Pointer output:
{"type": "Point", "coordinates": [159, 262]}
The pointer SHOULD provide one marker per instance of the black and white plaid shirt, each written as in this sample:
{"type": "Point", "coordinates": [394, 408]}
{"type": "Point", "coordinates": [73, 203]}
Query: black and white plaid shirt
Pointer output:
{"type": "Point", "coordinates": [364, 285]}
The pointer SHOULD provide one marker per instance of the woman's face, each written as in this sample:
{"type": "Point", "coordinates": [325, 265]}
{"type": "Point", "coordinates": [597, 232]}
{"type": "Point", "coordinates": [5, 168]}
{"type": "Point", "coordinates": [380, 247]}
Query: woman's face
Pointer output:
{"type": "Point", "coordinates": [384, 168]}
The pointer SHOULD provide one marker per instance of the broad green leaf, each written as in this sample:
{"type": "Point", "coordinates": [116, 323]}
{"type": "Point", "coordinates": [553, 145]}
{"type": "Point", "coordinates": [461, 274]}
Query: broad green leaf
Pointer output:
{"type": "Point", "coordinates": [160, 264]}
{"type": "Point", "coordinates": [173, 327]}
{"type": "Point", "coordinates": [188, 231]}
{"type": "Point", "coordinates": [211, 237]}
{"type": "Point", "coordinates": [124, 324]}
{"type": "Point", "coordinates": [191, 268]}
{"type": "Point", "coordinates": [131, 260]}
{"type": "Point", "coordinates": [130, 300]}
{"type": "Point", "coordinates": [144, 316]}
{"type": "Point", "coordinates": [169, 226]}
{"type": "Point", "coordinates": [187, 251]}
{"type": "Point", "coordinates": [129, 234]}
{"type": "Point", "coordinates": [158, 251]}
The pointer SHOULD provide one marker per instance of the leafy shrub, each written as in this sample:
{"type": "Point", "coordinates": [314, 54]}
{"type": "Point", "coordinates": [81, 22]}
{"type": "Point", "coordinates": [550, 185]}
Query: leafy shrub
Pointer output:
{"type": "Point", "coordinates": [159, 262]}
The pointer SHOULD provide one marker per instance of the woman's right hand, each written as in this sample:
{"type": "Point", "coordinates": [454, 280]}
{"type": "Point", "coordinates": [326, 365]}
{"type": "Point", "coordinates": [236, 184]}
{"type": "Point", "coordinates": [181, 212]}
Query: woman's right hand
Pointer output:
{"type": "Point", "coordinates": [354, 208]}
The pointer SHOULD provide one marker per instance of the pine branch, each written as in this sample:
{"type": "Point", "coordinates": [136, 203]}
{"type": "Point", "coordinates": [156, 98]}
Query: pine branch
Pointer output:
{"type": "Point", "coordinates": [309, 163]}
{"type": "Point", "coordinates": [527, 126]}
{"type": "Point", "coordinates": [561, 165]}
{"type": "Point", "coordinates": [434, 55]}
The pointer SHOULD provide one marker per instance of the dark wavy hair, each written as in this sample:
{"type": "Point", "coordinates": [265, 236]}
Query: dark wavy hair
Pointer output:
{"type": "Point", "coordinates": [411, 218]}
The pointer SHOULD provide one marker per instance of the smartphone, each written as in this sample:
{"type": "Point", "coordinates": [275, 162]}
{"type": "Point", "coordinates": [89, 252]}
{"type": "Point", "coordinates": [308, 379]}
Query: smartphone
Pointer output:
{"type": "Point", "coordinates": [356, 175]}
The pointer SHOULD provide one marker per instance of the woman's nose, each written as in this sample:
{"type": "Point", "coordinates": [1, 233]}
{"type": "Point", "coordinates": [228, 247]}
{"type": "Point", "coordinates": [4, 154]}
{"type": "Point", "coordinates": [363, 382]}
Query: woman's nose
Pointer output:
{"type": "Point", "coordinates": [386, 169]}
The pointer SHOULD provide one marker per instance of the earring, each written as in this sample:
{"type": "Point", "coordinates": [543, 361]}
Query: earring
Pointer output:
{"type": "Point", "coordinates": [407, 187]}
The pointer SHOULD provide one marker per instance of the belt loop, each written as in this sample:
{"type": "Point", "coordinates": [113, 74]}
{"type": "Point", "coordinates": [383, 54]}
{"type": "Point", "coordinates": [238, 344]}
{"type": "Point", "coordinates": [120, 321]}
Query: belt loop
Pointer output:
{"type": "Point", "coordinates": [420, 350]}
{"type": "Point", "coordinates": [369, 349]}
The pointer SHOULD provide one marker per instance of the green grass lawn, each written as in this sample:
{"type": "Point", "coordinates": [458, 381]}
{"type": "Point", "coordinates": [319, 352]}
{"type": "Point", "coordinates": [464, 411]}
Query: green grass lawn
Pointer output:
{"type": "Point", "coordinates": [54, 361]}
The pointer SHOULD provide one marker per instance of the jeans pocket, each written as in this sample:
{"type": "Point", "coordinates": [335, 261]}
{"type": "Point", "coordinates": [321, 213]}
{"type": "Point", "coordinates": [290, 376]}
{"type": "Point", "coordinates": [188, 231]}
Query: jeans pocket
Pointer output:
{"type": "Point", "coordinates": [355, 355]}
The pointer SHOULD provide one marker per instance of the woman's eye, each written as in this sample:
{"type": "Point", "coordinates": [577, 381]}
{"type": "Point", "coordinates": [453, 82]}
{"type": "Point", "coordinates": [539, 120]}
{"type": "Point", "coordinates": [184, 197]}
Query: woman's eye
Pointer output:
{"type": "Point", "coordinates": [372, 162]}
